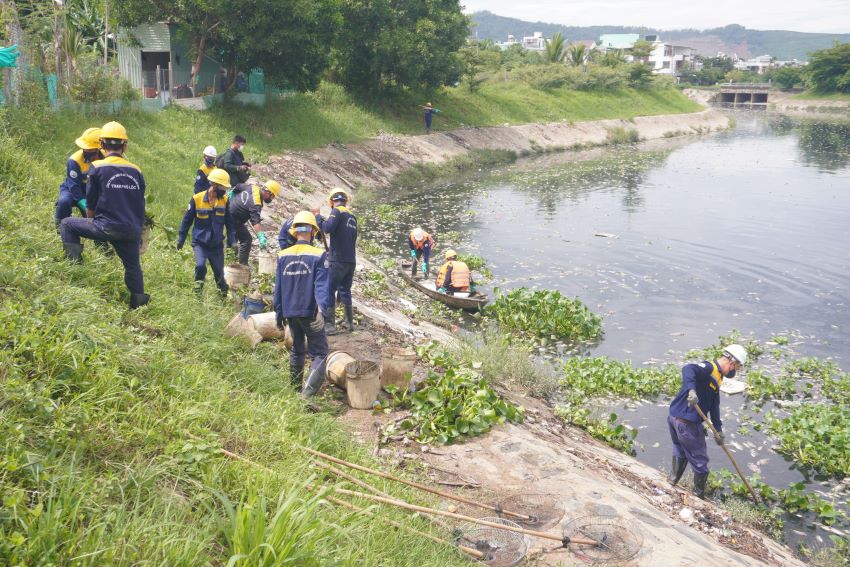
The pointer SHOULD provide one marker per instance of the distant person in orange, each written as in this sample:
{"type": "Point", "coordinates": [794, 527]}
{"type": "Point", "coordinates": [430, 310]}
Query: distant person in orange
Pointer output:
{"type": "Point", "coordinates": [454, 276]}
{"type": "Point", "coordinates": [420, 244]}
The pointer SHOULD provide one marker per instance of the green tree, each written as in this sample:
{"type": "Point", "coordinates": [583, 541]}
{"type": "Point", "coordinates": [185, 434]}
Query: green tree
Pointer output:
{"type": "Point", "coordinates": [829, 69]}
{"type": "Point", "coordinates": [577, 54]}
{"type": "Point", "coordinates": [556, 49]}
{"type": "Point", "coordinates": [641, 50]}
{"type": "Point", "coordinates": [401, 43]}
{"type": "Point", "coordinates": [613, 58]}
{"type": "Point", "coordinates": [787, 77]}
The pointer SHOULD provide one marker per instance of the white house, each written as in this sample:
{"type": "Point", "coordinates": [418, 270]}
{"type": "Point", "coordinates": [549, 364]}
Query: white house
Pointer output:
{"type": "Point", "coordinates": [668, 59]}
{"type": "Point", "coordinates": [535, 42]}
{"type": "Point", "coordinates": [758, 64]}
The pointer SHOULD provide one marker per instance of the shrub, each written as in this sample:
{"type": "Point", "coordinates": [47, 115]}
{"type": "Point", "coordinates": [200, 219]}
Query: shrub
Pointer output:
{"type": "Point", "coordinates": [544, 314]}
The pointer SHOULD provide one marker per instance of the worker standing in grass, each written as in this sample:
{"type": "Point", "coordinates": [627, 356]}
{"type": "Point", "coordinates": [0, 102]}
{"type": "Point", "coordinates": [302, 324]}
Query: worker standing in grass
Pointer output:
{"type": "Point", "coordinates": [420, 244]}
{"type": "Point", "coordinates": [245, 206]}
{"type": "Point", "coordinates": [700, 386]}
{"type": "Point", "coordinates": [72, 192]}
{"type": "Point", "coordinates": [300, 294]}
{"type": "Point", "coordinates": [429, 115]}
{"type": "Point", "coordinates": [209, 214]}
{"type": "Point", "coordinates": [233, 162]}
{"type": "Point", "coordinates": [454, 276]}
{"type": "Point", "coordinates": [201, 181]}
{"type": "Point", "coordinates": [115, 198]}
{"type": "Point", "coordinates": [341, 226]}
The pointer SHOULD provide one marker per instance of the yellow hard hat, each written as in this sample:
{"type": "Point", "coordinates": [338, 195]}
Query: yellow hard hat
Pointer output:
{"type": "Point", "coordinates": [305, 217]}
{"type": "Point", "coordinates": [338, 194]}
{"type": "Point", "coordinates": [113, 131]}
{"type": "Point", "coordinates": [272, 186]}
{"type": "Point", "coordinates": [450, 254]}
{"type": "Point", "coordinates": [89, 140]}
{"type": "Point", "coordinates": [219, 177]}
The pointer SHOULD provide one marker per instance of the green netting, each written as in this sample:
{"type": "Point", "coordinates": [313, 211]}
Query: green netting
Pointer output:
{"type": "Point", "coordinates": [9, 56]}
{"type": "Point", "coordinates": [256, 82]}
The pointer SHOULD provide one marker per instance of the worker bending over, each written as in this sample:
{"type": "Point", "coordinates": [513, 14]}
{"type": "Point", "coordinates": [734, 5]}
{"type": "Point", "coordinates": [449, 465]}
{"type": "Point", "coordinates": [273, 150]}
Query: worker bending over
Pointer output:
{"type": "Point", "coordinates": [300, 294]}
{"type": "Point", "coordinates": [201, 176]}
{"type": "Point", "coordinates": [454, 276]}
{"type": "Point", "coordinates": [245, 206]}
{"type": "Point", "coordinates": [341, 226]}
{"type": "Point", "coordinates": [115, 198]}
{"type": "Point", "coordinates": [72, 192]}
{"type": "Point", "coordinates": [420, 244]}
{"type": "Point", "coordinates": [700, 386]}
{"type": "Point", "coordinates": [209, 214]}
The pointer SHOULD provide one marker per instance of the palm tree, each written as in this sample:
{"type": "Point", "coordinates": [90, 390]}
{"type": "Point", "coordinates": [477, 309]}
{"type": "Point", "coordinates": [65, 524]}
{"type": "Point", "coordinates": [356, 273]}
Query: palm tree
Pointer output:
{"type": "Point", "coordinates": [555, 49]}
{"type": "Point", "coordinates": [577, 54]}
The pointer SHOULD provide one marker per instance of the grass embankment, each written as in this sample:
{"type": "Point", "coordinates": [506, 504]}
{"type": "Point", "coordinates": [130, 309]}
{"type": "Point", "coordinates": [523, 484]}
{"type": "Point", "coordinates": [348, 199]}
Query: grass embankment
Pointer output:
{"type": "Point", "coordinates": [100, 408]}
{"type": "Point", "coordinates": [811, 95]}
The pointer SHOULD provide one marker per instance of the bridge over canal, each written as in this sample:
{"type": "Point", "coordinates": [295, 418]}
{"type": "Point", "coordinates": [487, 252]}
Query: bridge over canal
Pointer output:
{"type": "Point", "coordinates": [748, 94]}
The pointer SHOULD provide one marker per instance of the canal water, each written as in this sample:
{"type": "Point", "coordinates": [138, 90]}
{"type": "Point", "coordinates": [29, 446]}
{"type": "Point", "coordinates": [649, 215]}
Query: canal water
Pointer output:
{"type": "Point", "coordinates": [674, 243]}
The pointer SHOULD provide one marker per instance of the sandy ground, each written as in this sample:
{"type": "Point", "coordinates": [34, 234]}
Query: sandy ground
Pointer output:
{"type": "Point", "coordinates": [576, 475]}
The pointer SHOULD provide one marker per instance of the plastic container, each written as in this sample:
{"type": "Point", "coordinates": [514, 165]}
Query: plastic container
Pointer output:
{"type": "Point", "coordinates": [268, 262]}
{"type": "Point", "coordinates": [397, 367]}
{"type": "Point", "coordinates": [362, 383]}
{"type": "Point", "coordinates": [252, 306]}
{"type": "Point", "coordinates": [335, 367]}
{"type": "Point", "coordinates": [237, 274]}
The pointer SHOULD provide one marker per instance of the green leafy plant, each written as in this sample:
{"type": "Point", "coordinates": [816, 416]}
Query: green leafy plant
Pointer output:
{"type": "Point", "coordinates": [754, 349]}
{"type": "Point", "coordinates": [817, 436]}
{"type": "Point", "coordinates": [615, 434]}
{"type": "Point", "coordinates": [451, 404]}
{"type": "Point", "coordinates": [544, 314]}
{"type": "Point", "coordinates": [476, 264]}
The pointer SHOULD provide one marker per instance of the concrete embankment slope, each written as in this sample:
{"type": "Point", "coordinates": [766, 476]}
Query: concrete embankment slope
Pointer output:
{"type": "Point", "coordinates": [377, 161]}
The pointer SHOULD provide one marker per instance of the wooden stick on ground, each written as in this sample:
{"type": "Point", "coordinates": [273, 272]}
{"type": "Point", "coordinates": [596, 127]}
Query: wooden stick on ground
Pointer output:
{"type": "Point", "coordinates": [563, 540]}
{"type": "Point", "coordinates": [416, 485]}
{"type": "Point", "coordinates": [728, 454]}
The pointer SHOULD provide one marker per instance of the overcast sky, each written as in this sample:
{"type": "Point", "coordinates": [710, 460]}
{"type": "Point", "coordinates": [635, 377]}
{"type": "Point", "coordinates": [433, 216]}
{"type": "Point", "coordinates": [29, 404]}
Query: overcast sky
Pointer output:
{"type": "Point", "coordinates": [812, 15]}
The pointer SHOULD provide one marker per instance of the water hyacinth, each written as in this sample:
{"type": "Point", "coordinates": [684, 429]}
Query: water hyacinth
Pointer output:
{"type": "Point", "coordinates": [544, 314]}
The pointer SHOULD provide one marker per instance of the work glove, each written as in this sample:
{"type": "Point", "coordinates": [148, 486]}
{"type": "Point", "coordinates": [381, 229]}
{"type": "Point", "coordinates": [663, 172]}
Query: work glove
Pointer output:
{"type": "Point", "coordinates": [82, 204]}
{"type": "Point", "coordinates": [180, 244]}
{"type": "Point", "coordinates": [230, 194]}
{"type": "Point", "coordinates": [443, 290]}
{"type": "Point", "coordinates": [261, 238]}
{"type": "Point", "coordinates": [424, 268]}
{"type": "Point", "coordinates": [471, 286]}
{"type": "Point", "coordinates": [279, 320]}
{"type": "Point", "coordinates": [413, 253]}
{"type": "Point", "coordinates": [692, 398]}
{"type": "Point", "coordinates": [720, 439]}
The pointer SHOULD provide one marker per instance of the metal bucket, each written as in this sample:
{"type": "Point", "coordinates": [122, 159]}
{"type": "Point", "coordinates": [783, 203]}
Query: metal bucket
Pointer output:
{"type": "Point", "coordinates": [335, 367]}
{"type": "Point", "coordinates": [397, 367]}
{"type": "Point", "coordinates": [362, 383]}
{"type": "Point", "coordinates": [268, 262]}
{"type": "Point", "coordinates": [237, 274]}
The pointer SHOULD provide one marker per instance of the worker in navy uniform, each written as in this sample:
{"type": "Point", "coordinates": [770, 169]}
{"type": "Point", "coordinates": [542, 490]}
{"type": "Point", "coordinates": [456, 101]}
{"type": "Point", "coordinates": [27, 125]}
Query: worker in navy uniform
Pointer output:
{"type": "Point", "coordinates": [454, 276]}
{"type": "Point", "coordinates": [210, 216]}
{"type": "Point", "coordinates": [287, 236]}
{"type": "Point", "coordinates": [341, 226]}
{"type": "Point", "coordinates": [115, 213]}
{"type": "Point", "coordinates": [246, 205]}
{"type": "Point", "coordinates": [300, 294]}
{"type": "Point", "coordinates": [201, 176]}
{"type": "Point", "coordinates": [700, 386]}
{"type": "Point", "coordinates": [72, 192]}
{"type": "Point", "coordinates": [420, 244]}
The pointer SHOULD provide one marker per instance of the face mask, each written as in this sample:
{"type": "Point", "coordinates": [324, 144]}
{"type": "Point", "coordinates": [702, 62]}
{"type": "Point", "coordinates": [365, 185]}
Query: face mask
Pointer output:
{"type": "Point", "coordinates": [209, 160]}
{"type": "Point", "coordinates": [219, 193]}
{"type": "Point", "coordinates": [241, 147]}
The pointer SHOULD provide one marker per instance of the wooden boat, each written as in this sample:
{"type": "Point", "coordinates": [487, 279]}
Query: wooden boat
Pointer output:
{"type": "Point", "coordinates": [474, 302]}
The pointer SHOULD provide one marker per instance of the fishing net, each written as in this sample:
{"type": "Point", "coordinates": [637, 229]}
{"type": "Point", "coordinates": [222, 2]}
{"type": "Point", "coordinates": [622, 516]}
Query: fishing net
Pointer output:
{"type": "Point", "coordinates": [543, 510]}
{"type": "Point", "coordinates": [501, 548]}
{"type": "Point", "coordinates": [616, 543]}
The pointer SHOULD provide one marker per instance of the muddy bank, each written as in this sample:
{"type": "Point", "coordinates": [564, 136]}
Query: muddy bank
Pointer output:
{"type": "Point", "coordinates": [783, 103]}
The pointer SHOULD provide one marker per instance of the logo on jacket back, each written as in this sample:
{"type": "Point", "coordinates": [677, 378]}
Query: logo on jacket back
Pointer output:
{"type": "Point", "coordinates": [297, 268]}
{"type": "Point", "coordinates": [131, 184]}
{"type": "Point", "coordinates": [351, 223]}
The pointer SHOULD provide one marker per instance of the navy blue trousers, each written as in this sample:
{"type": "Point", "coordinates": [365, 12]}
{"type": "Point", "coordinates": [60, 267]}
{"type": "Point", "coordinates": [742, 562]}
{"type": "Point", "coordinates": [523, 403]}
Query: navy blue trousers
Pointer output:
{"type": "Point", "coordinates": [340, 279]}
{"type": "Point", "coordinates": [126, 246]}
{"type": "Point", "coordinates": [308, 337]}
{"type": "Point", "coordinates": [689, 443]}
{"type": "Point", "coordinates": [65, 206]}
{"type": "Point", "coordinates": [215, 256]}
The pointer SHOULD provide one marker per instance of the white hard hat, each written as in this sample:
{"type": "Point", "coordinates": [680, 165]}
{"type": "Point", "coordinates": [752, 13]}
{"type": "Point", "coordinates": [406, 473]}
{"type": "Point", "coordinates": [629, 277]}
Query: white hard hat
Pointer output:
{"type": "Point", "coordinates": [736, 352]}
{"type": "Point", "coordinates": [418, 233]}
{"type": "Point", "coordinates": [209, 151]}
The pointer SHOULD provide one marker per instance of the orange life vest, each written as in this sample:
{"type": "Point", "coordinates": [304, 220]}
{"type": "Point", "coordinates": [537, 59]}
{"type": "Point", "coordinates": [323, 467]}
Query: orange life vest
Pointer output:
{"type": "Point", "coordinates": [460, 275]}
{"type": "Point", "coordinates": [420, 244]}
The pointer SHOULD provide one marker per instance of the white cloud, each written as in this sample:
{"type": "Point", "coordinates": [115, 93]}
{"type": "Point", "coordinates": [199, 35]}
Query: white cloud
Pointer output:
{"type": "Point", "coordinates": [831, 16]}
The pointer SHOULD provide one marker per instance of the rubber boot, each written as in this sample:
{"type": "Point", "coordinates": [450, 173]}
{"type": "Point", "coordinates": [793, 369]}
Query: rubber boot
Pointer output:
{"type": "Point", "coordinates": [677, 469]}
{"type": "Point", "coordinates": [699, 484]}
{"type": "Point", "coordinates": [296, 374]}
{"type": "Point", "coordinates": [73, 252]}
{"type": "Point", "coordinates": [104, 247]}
{"type": "Point", "coordinates": [199, 287]}
{"type": "Point", "coordinates": [314, 382]}
{"type": "Point", "coordinates": [223, 289]}
{"type": "Point", "coordinates": [413, 268]}
{"type": "Point", "coordinates": [330, 322]}
{"type": "Point", "coordinates": [139, 299]}
{"type": "Point", "coordinates": [349, 318]}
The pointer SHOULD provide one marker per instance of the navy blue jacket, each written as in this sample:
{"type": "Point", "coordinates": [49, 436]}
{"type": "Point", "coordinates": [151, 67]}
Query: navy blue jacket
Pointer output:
{"type": "Point", "coordinates": [201, 181]}
{"type": "Point", "coordinates": [706, 379]}
{"type": "Point", "coordinates": [301, 281]}
{"type": "Point", "coordinates": [116, 193]}
{"type": "Point", "coordinates": [76, 175]}
{"type": "Point", "coordinates": [246, 204]}
{"type": "Point", "coordinates": [209, 219]}
{"type": "Point", "coordinates": [341, 226]}
{"type": "Point", "coordinates": [286, 239]}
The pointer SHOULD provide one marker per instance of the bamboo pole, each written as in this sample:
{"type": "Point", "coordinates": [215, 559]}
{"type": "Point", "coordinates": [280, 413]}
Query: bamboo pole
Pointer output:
{"type": "Point", "coordinates": [564, 540]}
{"type": "Point", "coordinates": [728, 454]}
{"type": "Point", "coordinates": [423, 487]}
